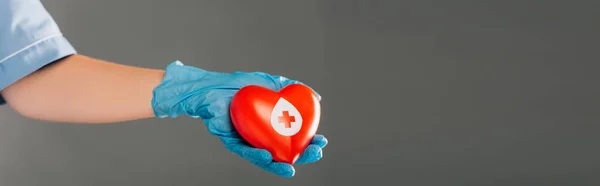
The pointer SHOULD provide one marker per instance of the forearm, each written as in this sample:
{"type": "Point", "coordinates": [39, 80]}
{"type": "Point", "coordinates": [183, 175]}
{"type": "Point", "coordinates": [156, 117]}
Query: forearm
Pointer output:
{"type": "Point", "coordinates": [80, 89]}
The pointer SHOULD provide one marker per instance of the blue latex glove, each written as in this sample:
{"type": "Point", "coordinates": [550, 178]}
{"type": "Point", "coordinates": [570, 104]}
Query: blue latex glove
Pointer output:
{"type": "Point", "coordinates": [204, 94]}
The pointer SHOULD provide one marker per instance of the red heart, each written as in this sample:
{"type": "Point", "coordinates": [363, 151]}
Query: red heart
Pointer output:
{"type": "Point", "coordinates": [281, 122]}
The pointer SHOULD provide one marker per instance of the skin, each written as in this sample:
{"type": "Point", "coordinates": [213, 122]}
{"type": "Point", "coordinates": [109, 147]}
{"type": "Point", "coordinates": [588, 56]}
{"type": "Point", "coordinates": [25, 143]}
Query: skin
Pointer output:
{"type": "Point", "coordinates": [84, 90]}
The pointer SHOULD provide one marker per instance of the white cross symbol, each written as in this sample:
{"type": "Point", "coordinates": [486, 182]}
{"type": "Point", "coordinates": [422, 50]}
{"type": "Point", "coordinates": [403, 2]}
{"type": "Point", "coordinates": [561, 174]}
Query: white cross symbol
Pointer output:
{"type": "Point", "coordinates": [285, 118]}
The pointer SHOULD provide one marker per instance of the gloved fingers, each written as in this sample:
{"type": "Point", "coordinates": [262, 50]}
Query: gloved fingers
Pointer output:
{"type": "Point", "coordinates": [313, 153]}
{"type": "Point", "coordinates": [251, 154]}
{"type": "Point", "coordinates": [285, 82]}
{"type": "Point", "coordinates": [319, 140]}
{"type": "Point", "coordinates": [282, 169]}
{"type": "Point", "coordinates": [256, 78]}
{"type": "Point", "coordinates": [281, 81]}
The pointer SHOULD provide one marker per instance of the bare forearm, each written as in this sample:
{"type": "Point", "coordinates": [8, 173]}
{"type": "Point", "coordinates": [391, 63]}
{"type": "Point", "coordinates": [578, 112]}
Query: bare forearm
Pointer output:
{"type": "Point", "coordinates": [80, 89]}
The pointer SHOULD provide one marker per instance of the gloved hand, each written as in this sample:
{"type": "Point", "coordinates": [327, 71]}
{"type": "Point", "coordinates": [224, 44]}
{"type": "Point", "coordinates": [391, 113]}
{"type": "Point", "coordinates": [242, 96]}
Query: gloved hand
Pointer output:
{"type": "Point", "coordinates": [204, 94]}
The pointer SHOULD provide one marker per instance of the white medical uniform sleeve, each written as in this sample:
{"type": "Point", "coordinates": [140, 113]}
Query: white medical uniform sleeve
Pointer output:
{"type": "Point", "coordinates": [29, 40]}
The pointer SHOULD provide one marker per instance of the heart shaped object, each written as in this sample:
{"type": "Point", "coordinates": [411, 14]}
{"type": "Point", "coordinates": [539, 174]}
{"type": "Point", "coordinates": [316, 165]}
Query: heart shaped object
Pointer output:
{"type": "Point", "coordinates": [283, 122]}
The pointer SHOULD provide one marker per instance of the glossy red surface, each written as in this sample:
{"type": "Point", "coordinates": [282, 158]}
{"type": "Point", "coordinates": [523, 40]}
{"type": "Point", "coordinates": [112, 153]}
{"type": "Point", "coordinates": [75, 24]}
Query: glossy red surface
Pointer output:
{"type": "Point", "coordinates": [251, 113]}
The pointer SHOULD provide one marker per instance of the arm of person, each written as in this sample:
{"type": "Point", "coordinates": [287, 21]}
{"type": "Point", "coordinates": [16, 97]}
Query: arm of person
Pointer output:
{"type": "Point", "coordinates": [43, 77]}
{"type": "Point", "coordinates": [81, 89]}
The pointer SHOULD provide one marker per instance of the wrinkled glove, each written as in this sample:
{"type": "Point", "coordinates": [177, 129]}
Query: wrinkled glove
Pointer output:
{"type": "Point", "coordinates": [204, 94]}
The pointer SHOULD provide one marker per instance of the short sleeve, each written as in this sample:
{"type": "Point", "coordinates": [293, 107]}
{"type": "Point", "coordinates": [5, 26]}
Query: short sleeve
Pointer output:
{"type": "Point", "coordinates": [29, 40]}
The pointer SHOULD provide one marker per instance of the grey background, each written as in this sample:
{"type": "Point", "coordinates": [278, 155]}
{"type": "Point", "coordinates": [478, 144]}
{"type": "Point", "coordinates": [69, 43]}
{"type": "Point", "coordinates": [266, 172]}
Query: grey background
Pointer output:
{"type": "Point", "coordinates": [414, 92]}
